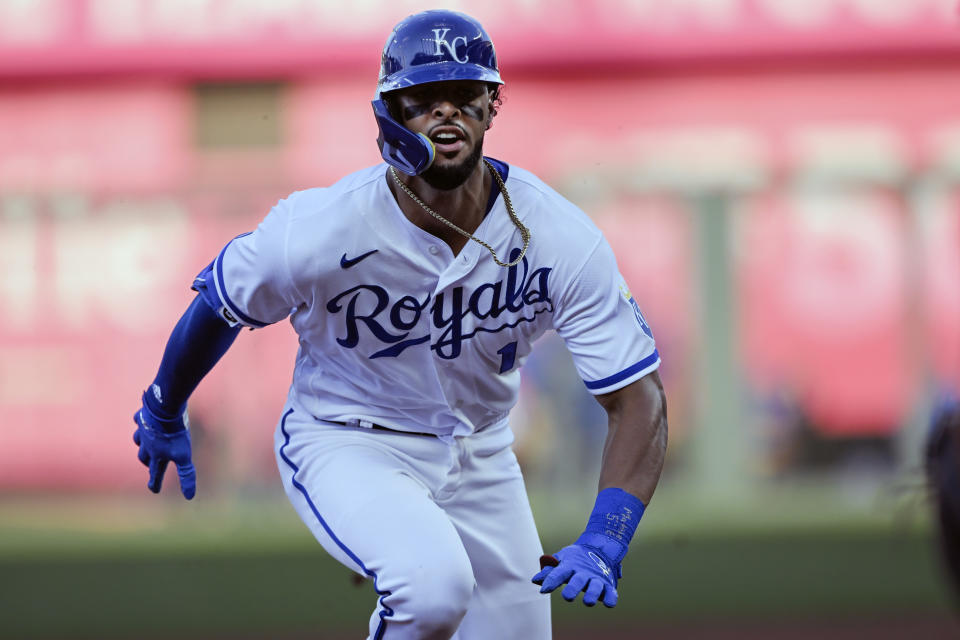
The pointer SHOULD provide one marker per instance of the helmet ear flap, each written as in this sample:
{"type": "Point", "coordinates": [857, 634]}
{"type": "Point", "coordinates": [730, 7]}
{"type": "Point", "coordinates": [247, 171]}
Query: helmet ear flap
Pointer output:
{"type": "Point", "coordinates": [411, 153]}
{"type": "Point", "coordinates": [393, 108]}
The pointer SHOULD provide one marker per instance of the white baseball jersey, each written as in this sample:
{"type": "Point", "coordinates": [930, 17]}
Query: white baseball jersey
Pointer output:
{"type": "Point", "coordinates": [397, 331]}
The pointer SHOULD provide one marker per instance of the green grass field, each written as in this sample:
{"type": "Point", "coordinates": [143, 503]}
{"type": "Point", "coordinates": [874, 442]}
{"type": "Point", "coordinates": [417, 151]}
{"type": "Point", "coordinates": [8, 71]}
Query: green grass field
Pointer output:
{"type": "Point", "coordinates": [147, 567]}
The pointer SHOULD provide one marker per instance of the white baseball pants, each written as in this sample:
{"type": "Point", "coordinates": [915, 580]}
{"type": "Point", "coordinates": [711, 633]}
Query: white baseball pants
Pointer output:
{"type": "Point", "coordinates": [444, 529]}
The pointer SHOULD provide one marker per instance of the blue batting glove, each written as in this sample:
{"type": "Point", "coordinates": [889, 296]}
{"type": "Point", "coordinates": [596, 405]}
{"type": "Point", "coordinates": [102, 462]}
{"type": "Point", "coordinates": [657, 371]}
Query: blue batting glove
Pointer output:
{"type": "Point", "coordinates": [162, 441]}
{"type": "Point", "coordinates": [592, 563]}
{"type": "Point", "coordinates": [583, 568]}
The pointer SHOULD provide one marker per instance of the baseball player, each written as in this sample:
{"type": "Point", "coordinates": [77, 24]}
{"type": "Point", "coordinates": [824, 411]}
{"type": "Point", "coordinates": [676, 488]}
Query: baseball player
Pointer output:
{"type": "Point", "coordinates": [417, 288]}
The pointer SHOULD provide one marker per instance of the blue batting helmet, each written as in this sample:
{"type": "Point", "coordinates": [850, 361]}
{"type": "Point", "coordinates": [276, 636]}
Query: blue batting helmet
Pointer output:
{"type": "Point", "coordinates": [430, 46]}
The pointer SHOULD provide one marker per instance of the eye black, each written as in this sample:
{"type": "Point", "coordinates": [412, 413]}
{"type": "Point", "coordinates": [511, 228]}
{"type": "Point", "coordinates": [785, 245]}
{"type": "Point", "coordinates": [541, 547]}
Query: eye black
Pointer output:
{"type": "Point", "coordinates": [415, 110]}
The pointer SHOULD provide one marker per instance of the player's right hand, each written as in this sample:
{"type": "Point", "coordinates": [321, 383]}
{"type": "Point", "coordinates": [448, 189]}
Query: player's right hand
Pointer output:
{"type": "Point", "coordinates": [162, 441]}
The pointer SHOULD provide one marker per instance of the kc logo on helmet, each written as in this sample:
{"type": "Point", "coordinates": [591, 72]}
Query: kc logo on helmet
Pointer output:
{"type": "Point", "coordinates": [440, 39]}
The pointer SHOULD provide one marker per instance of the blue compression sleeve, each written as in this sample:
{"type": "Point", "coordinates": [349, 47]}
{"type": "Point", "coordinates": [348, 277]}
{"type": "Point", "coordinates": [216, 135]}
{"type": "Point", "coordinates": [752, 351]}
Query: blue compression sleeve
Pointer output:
{"type": "Point", "coordinates": [197, 343]}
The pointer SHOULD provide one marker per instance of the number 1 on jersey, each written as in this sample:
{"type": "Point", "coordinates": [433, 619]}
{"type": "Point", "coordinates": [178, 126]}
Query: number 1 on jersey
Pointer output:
{"type": "Point", "coordinates": [508, 356]}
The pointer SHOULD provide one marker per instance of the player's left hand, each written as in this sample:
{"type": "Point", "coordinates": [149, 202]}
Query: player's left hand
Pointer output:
{"type": "Point", "coordinates": [582, 568]}
{"type": "Point", "coordinates": [162, 441]}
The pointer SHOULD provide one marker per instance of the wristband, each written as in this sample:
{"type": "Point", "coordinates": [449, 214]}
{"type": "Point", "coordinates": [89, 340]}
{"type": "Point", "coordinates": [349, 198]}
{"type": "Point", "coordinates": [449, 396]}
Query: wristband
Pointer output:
{"type": "Point", "coordinates": [612, 524]}
{"type": "Point", "coordinates": [160, 419]}
{"type": "Point", "coordinates": [616, 514]}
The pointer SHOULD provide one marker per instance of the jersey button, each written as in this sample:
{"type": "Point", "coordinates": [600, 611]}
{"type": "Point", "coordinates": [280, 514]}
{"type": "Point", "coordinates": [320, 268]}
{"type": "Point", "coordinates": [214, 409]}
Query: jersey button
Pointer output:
{"type": "Point", "coordinates": [433, 250]}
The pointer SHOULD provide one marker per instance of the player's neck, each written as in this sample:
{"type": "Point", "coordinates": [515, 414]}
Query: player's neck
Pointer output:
{"type": "Point", "coordinates": [464, 206]}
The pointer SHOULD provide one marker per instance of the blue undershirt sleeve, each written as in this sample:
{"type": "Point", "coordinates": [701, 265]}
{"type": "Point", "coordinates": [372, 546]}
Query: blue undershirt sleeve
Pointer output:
{"type": "Point", "coordinates": [197, 343]}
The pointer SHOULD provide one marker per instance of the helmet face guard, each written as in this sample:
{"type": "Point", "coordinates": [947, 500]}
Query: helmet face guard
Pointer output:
{"type": "Point", "coordinates": [432, 46]}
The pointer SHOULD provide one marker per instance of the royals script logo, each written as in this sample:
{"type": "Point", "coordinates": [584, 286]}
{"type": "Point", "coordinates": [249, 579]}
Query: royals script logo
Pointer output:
{"type": "Point", "coordinates": [368, 310]}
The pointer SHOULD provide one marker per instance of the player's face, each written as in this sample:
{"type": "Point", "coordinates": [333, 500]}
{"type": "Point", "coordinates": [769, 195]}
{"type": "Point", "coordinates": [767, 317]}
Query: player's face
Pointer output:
{"type": "Point", "coordinates": [454, 115]}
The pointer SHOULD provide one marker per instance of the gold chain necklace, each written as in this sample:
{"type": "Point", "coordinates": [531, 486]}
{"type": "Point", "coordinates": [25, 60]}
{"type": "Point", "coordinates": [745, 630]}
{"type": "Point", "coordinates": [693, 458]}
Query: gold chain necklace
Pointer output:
{"type": "Point", "coordinates": [524, 232]}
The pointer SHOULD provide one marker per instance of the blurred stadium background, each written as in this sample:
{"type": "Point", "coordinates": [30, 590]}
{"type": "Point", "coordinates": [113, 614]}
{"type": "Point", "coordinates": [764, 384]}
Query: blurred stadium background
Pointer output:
{"type": "Point", "coordinates": [780, 180]}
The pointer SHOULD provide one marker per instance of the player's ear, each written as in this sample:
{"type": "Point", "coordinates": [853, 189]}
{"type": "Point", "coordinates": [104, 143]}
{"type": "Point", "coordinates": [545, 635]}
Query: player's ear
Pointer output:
{"type": "Point", "coordinates": [493, 92]}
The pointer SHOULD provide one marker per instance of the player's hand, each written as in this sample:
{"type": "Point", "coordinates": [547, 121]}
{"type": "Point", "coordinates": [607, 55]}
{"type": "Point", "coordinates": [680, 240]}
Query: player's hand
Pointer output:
{"type": "Point", "coordinates": [582, 568]}
{"type": "Point", "coordinates": [162, 441]}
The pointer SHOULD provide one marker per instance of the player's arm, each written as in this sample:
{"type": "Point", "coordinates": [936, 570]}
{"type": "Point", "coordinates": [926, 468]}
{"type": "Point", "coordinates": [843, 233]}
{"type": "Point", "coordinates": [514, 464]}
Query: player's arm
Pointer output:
{"type": "Point", "coordinates": [197, 343]}
{"type": "Point", "coordinates": [632, 461]}
{"type": "Point", "coordinates": [615, 353]}
{"type": "Point", "coordinates": [247, 284]}
{"type": "Point", "coordinates": [636, 437]}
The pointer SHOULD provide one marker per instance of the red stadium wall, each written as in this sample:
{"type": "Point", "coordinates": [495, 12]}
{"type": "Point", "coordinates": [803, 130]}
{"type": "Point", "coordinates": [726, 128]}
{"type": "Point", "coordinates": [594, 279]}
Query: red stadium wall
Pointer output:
{"type": "Point", "coordinates": [108, 208]}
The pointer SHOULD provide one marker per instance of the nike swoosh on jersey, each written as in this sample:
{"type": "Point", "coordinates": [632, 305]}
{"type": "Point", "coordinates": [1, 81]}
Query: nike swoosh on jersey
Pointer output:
{"type": "Point", "coordinates": [347, 263]}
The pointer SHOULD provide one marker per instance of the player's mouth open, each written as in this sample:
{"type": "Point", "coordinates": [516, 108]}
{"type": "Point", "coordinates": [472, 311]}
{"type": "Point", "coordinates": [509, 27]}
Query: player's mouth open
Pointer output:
{"type": "Point", "coordinates": [447, 139]}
